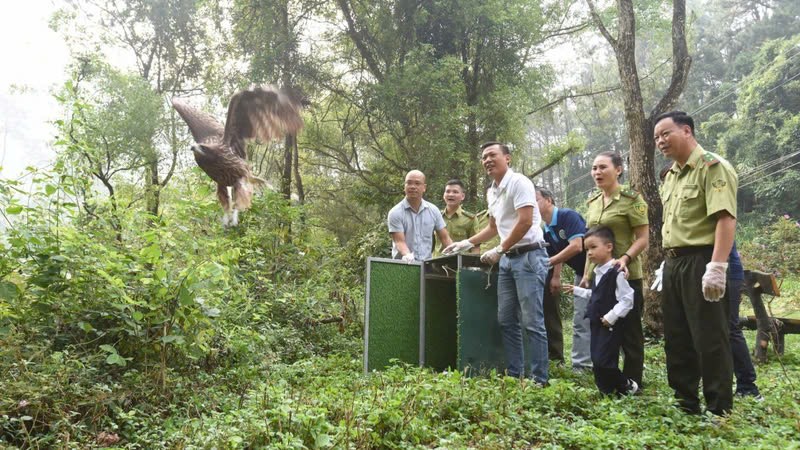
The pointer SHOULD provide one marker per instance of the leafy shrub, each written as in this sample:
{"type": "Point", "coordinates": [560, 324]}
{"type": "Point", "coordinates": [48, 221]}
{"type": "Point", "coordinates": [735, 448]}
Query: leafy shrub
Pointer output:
{"type": "Point", "coordinates": [774, 249]}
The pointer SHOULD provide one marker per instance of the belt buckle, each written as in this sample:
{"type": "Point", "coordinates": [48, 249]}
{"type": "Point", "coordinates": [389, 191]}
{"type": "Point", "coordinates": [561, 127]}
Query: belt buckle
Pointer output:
{"type": "Point", "coordinates": [672, 253]}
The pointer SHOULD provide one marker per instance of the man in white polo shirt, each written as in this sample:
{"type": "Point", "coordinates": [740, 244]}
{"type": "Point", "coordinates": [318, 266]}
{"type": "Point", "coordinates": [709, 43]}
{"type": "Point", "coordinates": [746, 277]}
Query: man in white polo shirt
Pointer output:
{"type": "Point", "coordinates": [514, 215]}
{"type": "Point", "coordinates": [413, 221]}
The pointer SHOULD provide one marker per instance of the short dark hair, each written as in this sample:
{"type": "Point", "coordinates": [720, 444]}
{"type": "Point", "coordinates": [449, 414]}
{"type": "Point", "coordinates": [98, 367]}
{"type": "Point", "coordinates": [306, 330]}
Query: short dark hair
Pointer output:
{"type": "Point", "coordinates": [601, 232]}
{"type": "Point", "coordinates": [503, 147]}
{"type": "Point", "coordinates": [679, 117]}
{"type": "Point", "coordinates": [546, 194]}
{"type": "Point", "coordinates": [455, 182]}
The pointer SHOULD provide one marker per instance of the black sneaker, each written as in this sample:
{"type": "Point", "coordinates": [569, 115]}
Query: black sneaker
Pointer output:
{"type": "Point", "coordinates": [754, 394]}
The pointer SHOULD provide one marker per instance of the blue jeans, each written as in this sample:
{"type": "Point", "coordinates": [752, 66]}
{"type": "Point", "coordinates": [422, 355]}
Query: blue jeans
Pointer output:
{"type": "Point", "coordinates": [742, 364]}
{"type": "Point", "coordinates": [520, 289]}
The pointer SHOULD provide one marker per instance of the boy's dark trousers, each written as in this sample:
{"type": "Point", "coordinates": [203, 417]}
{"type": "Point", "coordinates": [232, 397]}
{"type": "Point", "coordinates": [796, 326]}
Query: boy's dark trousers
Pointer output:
{"type": "Point", "coordinates": [605, 345]}
{"type": "Point", "coordinates": [606, 342]}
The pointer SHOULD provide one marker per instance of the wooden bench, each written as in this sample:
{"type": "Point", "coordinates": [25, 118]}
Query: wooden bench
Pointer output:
{"type": "Point", "coordinates": [768, 328]}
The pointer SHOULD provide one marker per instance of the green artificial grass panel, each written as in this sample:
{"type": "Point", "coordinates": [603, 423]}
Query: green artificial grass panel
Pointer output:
{"type": "Point", "coordinates": [440, 324]}
{"type": "Point", "coordinates": [393, 314]}
{"type": "Point", "coordinates": [480, 346]}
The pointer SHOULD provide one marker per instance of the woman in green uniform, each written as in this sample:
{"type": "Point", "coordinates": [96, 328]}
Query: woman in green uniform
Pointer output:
{"type": "Point", "coordinates": [625, 212]}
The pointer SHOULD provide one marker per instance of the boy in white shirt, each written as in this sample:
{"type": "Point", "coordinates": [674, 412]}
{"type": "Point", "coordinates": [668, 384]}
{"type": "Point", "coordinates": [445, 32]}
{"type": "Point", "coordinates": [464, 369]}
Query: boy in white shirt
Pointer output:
{"type": "Point", "coordinates": [610, 300]}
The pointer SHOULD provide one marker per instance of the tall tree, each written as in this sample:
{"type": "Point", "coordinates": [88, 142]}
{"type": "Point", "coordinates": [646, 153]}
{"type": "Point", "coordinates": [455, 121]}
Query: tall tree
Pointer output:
{"type": "Point", "coordinates": [269, 33]}
{"type": "Point", "coordinates": [166, 39]}
{"type": "Point", "coordinates": [439, 77]}
{"type": "Point", "coordinates": [112, 122]}
{"type": "Point", "coordinates": [639, 124]}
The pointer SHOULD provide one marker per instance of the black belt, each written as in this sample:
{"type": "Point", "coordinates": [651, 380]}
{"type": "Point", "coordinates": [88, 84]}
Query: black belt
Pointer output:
{"type": "Point", "coordinates": [516, 251]}
{"type": "Point", "coordinates": [677, 252]}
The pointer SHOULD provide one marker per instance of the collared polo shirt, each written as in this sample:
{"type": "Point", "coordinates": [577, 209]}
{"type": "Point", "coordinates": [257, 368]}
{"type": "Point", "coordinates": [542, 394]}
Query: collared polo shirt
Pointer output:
{"type": "Point", "coordinates": [626, 211]}
{"type": "Point", "coordinates": [565, 226]}
{"type": "Point", "coordinates": [418, 227]}
{"type": "Point", "coordinates": [515, 191]}
{"type": "Point", "coordinates": [693, 194]}
{"type": "Point", "coordinates": [461, 225]}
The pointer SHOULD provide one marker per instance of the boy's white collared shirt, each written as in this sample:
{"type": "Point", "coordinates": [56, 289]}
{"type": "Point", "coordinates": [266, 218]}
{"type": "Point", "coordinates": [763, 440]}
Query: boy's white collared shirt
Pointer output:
{"type": "Point", "coordinates": [623, 293]}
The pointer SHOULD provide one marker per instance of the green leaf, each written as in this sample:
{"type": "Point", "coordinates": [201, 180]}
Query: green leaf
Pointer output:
{"type": "Point", "coordinates": [322, 440]}
{"type": "Point", "coordinates": [50, 189]}
{"type": "Point", "coordinates": [176, 338]}
{"type": "Point", "coordinates": [137, 316]}
{"type": "Point", "coordinates": [185, 297]}
{"type": "Point", "coordinates": [14, 209]}
{"type": "Point", "coordinates": [108, 348]}
{"type": "Point", "coordinates": [8, 291]}
{"type": "Point", "coordinates": [115, 359]}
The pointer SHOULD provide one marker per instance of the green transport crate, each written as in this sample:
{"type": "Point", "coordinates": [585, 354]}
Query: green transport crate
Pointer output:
{"type": "Point", "coordinates": [392, 313]}
{"type": "Point", "coordinates": [440, 314]}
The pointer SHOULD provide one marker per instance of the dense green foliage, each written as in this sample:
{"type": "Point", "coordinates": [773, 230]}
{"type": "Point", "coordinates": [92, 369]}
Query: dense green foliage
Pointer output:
{"type": "Point", "coordinates": [129, 318]}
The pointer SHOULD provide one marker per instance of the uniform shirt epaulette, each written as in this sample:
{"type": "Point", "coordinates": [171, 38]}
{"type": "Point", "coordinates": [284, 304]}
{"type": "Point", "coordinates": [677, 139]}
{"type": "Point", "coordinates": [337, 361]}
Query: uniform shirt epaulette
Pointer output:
{"type": "Point", "coordinates": [627, 191]}
{"type": "Point", "coordinates": [710, 159]}
{"type": "Point", "coordinates": [596, 192]}
{"type": "Point", "coordinates": [468, 214]}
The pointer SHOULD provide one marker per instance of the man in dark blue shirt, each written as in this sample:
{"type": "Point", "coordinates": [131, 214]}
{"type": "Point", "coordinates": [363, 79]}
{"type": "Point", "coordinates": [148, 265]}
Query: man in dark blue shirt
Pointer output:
{"type": "Point", "coordinates": [564, 230]}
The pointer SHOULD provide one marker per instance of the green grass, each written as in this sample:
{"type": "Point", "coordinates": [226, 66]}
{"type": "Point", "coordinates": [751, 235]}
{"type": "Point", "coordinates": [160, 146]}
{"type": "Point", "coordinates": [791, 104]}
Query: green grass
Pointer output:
{"type": "Point", "coordinates": [328, 403]}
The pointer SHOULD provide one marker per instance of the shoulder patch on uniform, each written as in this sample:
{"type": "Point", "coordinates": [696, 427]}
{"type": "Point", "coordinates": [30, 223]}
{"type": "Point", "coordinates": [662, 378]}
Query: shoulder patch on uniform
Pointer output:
{"type": "Point", "coordinates": [719, 184]}
{"type": "Point", "coordinates": [710, 159]}
{"type": "Point", "coordinates": [640, 208]}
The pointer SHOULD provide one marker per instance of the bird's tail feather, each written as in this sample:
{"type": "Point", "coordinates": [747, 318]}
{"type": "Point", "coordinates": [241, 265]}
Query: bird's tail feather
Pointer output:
{"type": "Point", "coordinates": [257, 182]}
{"type": "Point", "coordinates": [243, 195]}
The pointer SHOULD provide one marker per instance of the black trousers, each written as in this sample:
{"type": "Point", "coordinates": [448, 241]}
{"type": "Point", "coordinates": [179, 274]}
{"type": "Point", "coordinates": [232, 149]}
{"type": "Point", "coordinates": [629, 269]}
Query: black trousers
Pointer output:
{"type": "Point", "coordinates": [633, 337]}
{"type": "Point", "coordinates": [696, 337]}
{"type": "Point", "coordinates": [552, 322]}
{"type": "Point", "coordinates": [605, 346]}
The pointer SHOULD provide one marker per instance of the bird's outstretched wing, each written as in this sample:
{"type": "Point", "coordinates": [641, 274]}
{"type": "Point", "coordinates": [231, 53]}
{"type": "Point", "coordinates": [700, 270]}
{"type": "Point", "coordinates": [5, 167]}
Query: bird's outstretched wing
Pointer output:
{"type": "Point", "coordinates": [263, 114]}
{"type": "Point", "coordinates": [204, 126]}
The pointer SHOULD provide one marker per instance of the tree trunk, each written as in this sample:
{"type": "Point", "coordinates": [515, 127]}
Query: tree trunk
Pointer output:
{"type": "Point", "coordinates": [298, 181]}
{"type": "Point", "coordinates": [153, 194]}
{"type": "Point", "coordinates": [112, 197]}
{"type": "Point", "coordinates": [474, 191]}
{"type": "Point", "coordinates": [640, 127]}
{"type": "Point", "coordinates": [286, 177]}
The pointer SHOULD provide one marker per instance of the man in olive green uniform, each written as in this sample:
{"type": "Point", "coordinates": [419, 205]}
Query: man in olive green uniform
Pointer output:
{"type": "Point", "coordinates": [460, 224]}
{"type": "Point", "coordinates": [483, 222]}
{"type": "Point", "coordinates": [699, 197]}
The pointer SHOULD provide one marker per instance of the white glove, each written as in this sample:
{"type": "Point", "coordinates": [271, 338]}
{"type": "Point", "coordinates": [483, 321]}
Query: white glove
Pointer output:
{"type": "Point", "coordinates": [658, 276]}
{"type": "Point", "coordinates": [408, 258]}
{"type": "Point", "coordinates": [714, 281]}
{"type": "Point", "coordinates": [458, 247]}
{"type": "Point", "coordinates": [492, 256]}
